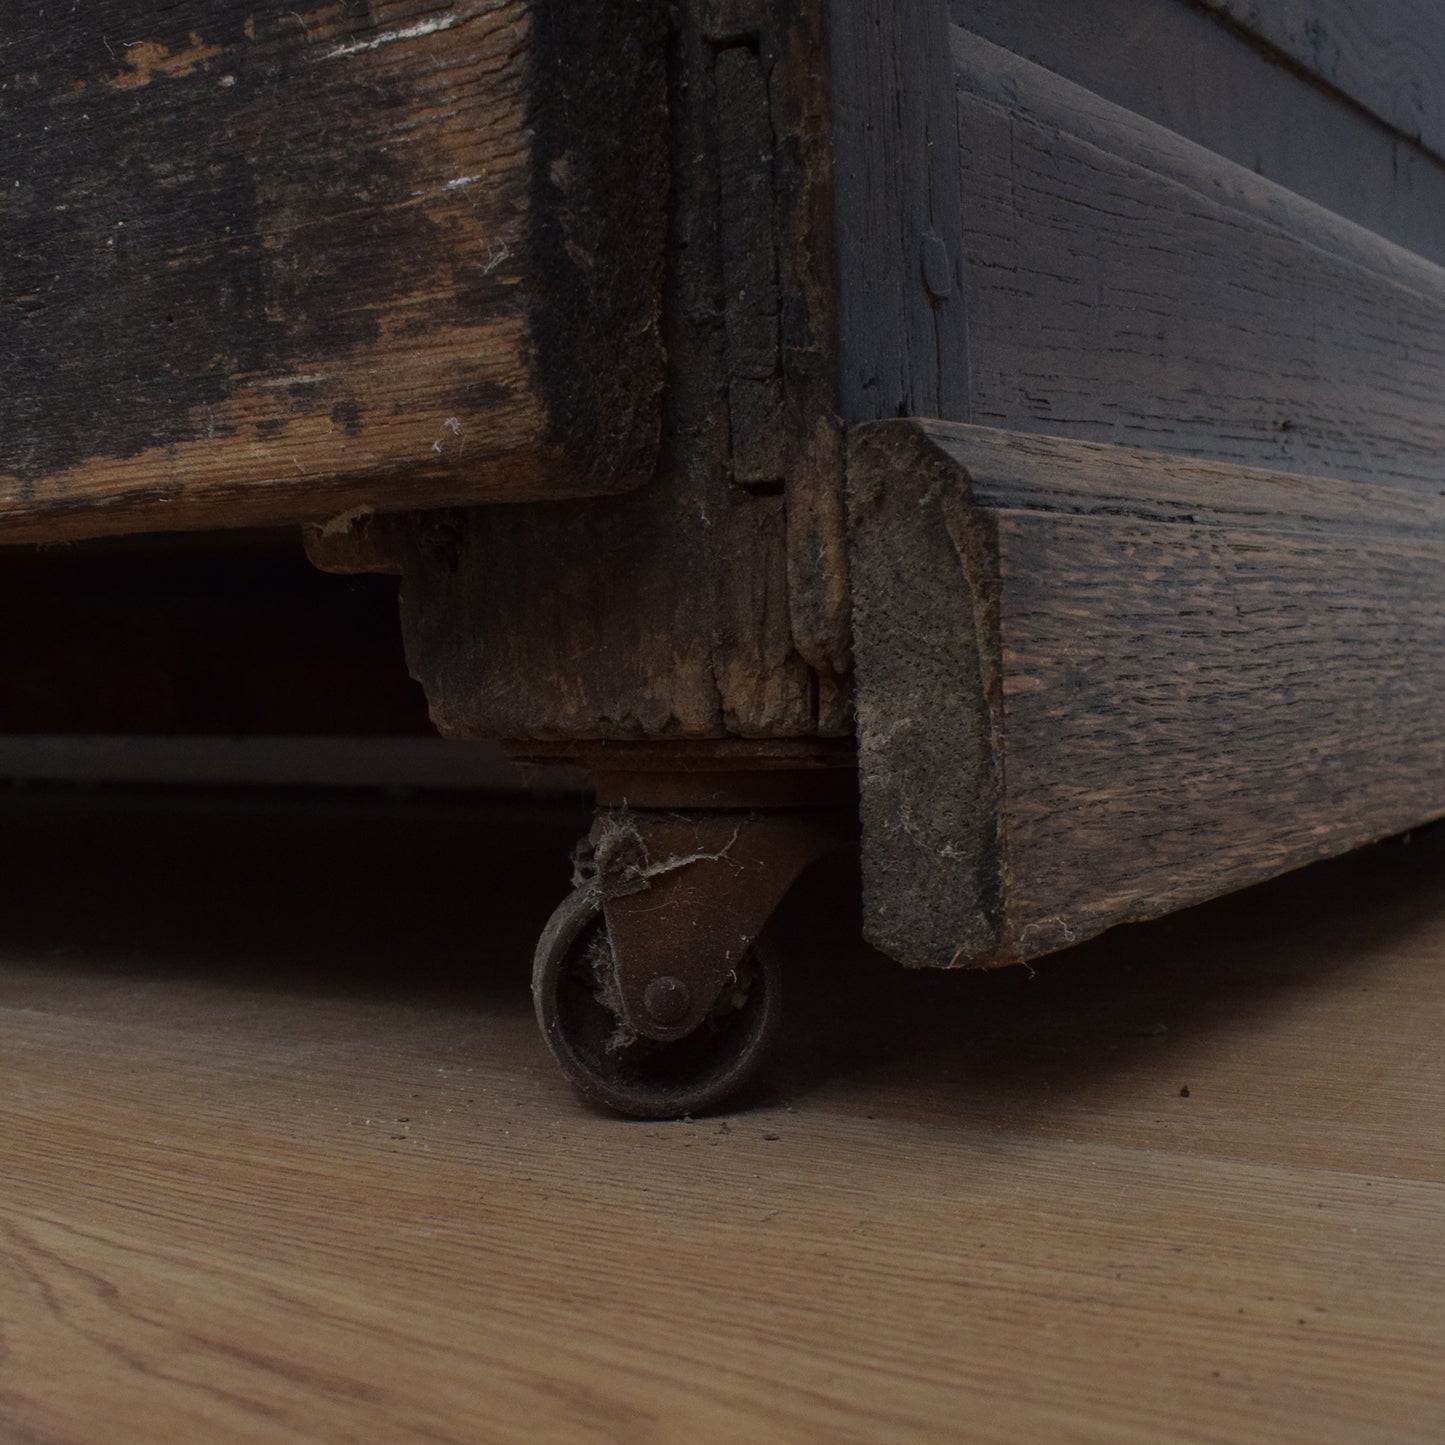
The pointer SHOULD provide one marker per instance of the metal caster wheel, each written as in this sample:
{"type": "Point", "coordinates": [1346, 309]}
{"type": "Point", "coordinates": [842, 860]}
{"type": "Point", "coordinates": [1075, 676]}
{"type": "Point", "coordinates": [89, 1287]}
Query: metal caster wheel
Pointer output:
{"type": "Point", "coordinates": [665, 1062]}
{"type": "Point", "coordinates": [653, 984]}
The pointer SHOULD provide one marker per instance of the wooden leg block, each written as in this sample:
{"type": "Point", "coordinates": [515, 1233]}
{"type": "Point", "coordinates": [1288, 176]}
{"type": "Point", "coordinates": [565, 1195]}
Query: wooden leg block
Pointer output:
{"type": "Point", "coordinates": [1096, 684]}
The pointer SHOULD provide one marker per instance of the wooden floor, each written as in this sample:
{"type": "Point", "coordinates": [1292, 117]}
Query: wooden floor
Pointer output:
{"type": "Point", "coordinates": [283, 1160]}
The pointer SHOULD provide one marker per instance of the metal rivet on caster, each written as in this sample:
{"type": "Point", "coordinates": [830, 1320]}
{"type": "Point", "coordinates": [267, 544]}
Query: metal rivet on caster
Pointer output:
{"type": "Point", "coordinates": [666, 1000]}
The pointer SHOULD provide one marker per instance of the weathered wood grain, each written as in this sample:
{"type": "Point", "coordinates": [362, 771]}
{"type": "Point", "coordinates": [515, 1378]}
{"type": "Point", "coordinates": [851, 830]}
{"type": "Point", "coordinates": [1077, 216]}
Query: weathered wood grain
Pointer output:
{"type": "Point", "coordinates": [749, 267]}
{"type": "Point", "coordinates": [1221, 86]}
{"type": "Point", "coordinates": [352, 544]}
{"type": "Point", "coordinates": [1096, 685]}
{"type": "Point", "coordinates": [280, 264]}
{"type": "Point", "coordinates": [1387, 56]}
{"type": "Point", "coordinates": [712, 603]}
{"type": "Point", "coordinates": [1127, 286]}
{"type": "Point", "coordinates": [794, 43]}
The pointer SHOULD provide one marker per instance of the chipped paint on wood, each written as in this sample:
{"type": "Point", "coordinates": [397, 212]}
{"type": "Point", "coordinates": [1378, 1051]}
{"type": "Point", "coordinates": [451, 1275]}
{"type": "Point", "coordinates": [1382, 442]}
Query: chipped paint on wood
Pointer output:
{"type": "Point", "coordinates": [274, 265]}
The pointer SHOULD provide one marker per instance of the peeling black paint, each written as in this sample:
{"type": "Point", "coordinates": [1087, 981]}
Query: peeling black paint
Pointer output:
{"type": "Point", "coordinates": [136, 289]}
{"type": "Point", "coordinates": [347, 414]}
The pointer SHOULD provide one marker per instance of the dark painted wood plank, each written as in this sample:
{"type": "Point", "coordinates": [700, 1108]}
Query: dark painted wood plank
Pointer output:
{"type": "Point", "coordinates": [278, 264]}
{"type": "Point", "coordinates": [1127, 286]}
{"type": "Point", "coordinates": [1093, 479]}
{"type": "Point", "coordinates": [899, 212]}
{"type": "Point", "coordinates": [1071, 716]}
{"type": "Point", "coordinates": [1174, 63]}
{"type": "Point", "coordinates": [1388, 56]}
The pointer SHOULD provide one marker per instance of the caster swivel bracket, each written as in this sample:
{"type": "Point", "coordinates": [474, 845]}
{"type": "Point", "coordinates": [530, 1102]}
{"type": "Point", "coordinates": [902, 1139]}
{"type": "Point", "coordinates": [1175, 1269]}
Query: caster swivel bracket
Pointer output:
{"type": "Point", "coordinates": [654, 984]}
{"type": "Point", "coordinates": [685, 896]}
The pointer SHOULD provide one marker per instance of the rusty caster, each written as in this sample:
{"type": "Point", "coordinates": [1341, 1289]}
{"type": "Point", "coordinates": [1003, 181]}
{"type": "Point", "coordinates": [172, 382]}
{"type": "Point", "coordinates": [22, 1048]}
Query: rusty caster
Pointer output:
{"type": "Point", "coordinates": [653, 983]}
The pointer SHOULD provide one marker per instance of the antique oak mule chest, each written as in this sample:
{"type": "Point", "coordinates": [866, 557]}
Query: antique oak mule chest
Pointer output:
{"type": "Point", "coordinates": [1021, 417]}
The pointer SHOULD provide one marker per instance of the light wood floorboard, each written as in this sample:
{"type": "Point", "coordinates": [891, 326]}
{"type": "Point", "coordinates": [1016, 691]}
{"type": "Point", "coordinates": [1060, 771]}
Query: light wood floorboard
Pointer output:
{"type": "Point", "coordinates": [282, 1160]}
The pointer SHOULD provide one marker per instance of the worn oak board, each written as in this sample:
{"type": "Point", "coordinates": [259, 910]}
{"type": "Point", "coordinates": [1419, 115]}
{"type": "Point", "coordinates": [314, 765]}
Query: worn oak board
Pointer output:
{"type": "Point", "coordinates": [1125, 285]}
{"type": "Point", "coordinates": [1095, 685]}
{"type": "Point", "coordinates": [267, 264]}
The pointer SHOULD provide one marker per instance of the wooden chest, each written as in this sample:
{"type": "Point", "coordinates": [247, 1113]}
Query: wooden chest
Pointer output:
{"type": "Point", "coordinates": [1022, 416]}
